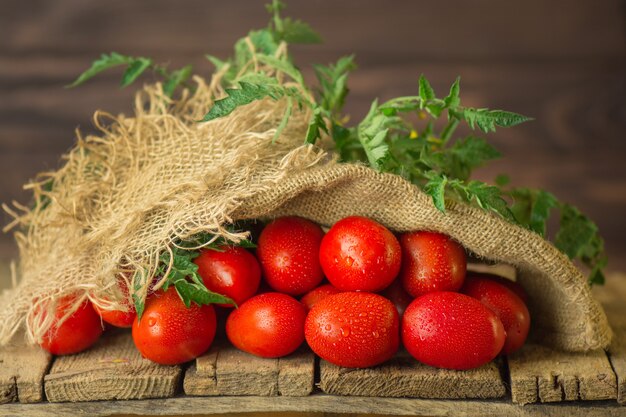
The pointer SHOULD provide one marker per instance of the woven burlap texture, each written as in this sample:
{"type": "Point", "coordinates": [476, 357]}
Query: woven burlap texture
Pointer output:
{"type": "Point", "coordinates": [125, 196]}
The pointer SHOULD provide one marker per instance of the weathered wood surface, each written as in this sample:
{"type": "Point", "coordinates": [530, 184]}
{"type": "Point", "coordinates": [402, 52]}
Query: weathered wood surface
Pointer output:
{"type": "Point", "coordinates": [113, 369]}
{"type": "Point", "coordinates": [225, 370]}
{"type": "Point", "coordinates": [403, 376]}
{"type": "Point", "coordinates": [22, 369]}
{"type": "Point", "coordinates": [613, 298]}
{"type": "Point", "coordinates": [317, 403]}
{"type": "Point", "coordinates": [540, 374]}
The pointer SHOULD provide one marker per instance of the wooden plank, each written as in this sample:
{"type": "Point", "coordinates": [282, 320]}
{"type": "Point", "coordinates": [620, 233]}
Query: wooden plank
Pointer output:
{"type": "Point", "coordinates": [22, 369]}
{"type": "Point", "coordinates": [617, 356]}
{"type": "Point", "coordinates": [296, 373]}
{"type": "Point", "coordinates": [612, 295]}
{"type": "Point", "coordinates": [317, 403]}
{"type": "Point", "coordinates": [113, 369]}
{"type": "Point", "coordinates": [225, 370]}
{"type": "Point", "coordinates": [540, 374]}
{"type": "Point", "coordinates": [403, 376]}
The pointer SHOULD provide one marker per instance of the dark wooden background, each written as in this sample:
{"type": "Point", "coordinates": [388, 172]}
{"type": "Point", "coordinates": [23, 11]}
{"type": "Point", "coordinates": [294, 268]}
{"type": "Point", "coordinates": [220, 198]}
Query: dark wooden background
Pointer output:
{"type": "Point", "coordinates": [562, 62]}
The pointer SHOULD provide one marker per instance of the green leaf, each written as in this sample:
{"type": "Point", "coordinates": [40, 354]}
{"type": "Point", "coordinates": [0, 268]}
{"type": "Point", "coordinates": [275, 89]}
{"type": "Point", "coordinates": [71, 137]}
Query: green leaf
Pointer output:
{"type": "Point", "coordinates": [103, 63]}
{"type": "Point", "coordinates": [333, 81]}
{"type": "Point", "coordinates": [193, 292]}
{"type": "Point", "coordinates": [177, 78]}
{"type": "Point", "coordinates": [487, 120]}
{"type": "Point", "coordinates": [436, 188]}
{"type": "Point", "coordinates": [487, 197]}
{"type": "Point", "coordinates": [282, 65]}
{"type": "Point", "coordinates": [134, 70]}
{"type": "Point", "coordinates": [531, 208]}
{"type": "Point", "coordinates": [137, 300]}
{"type": "Point", "coordinates": [502, 180]}
{"type": "Point", "coordinates": [217, 63]}
{"type": "Point", "coordinates": [576, 232]}
{"type": "Point", "coordinates": [426, 92]}
{"type": "Point", "coordinates": [246, 94]}
{"type": "Point", "coordinates": [372, 132]}
{"type": "Point", "coordinates": [452, 101]}
{"type": "Point", "coordinates": [466, 155]}
{"type": "Point", "coordinates": [298, 32]}
{"type": "Point", "coordinates": [317, 124]}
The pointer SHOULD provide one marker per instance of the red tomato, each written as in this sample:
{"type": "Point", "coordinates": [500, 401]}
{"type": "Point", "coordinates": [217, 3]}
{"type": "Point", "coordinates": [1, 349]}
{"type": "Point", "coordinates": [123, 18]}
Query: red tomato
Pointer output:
{"type": "Point", "coordinates": [353, 329]}
{"type": "Point", "coordinates": [509, 308]}
{"type": "Point", "coordinates": [170, 333]}
{"type": "Point", "coordinates": [431, 262]}
{"type": "Point", "coordinates": [288, 251]}
{"type": "Point", "coordinates": [231, 271]}
{"type": "Point", "coordinates": [269, 325]}
{"type": "Point", "coordinates": [359, 254]}
{"type": "Point", "coordinates": [451, 330]}
{"type": "Point", "coordinates": [398, 296]}
{"type": "Point", "coordinates": [312, 297]}
{"type": "Point", "coordinates": [511, 285]}
{"type": "Point", "coordinates": [119, 318]}
{"type": "Point", "coordinates": [81, 329]}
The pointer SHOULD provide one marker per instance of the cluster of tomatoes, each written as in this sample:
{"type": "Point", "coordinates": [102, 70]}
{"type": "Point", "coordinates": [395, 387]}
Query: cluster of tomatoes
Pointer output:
{"type": "Point", "coordinates": [381, 291]}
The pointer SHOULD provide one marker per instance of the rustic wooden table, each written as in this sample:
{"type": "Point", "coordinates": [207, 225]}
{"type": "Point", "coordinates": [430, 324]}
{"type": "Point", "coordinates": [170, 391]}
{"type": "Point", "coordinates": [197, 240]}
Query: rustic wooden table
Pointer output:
{"type": "Point", "coordinates": [563, 62]}
{"type": "Point", "coordinates": [112, 378]}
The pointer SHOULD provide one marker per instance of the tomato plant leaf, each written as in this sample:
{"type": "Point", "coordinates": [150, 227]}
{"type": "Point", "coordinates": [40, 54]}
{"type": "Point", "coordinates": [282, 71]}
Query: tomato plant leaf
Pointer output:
{"type": "Point", "coordinates": [436, 188]}
{"type": "Point", "coordinates": [176, 79]}
{"type": "Point", "coordinates": [135, 68]}
{"type": "Point", "coordinates": [425, 90]}
{"type": "Point", "coordinates": [101, 64]}
{"type": "Point", "coordinates": [487, 120]}
{"type": "Point", "coordinates": [452, 100]}
{"type": "Point", "coordinates": [297, 31]}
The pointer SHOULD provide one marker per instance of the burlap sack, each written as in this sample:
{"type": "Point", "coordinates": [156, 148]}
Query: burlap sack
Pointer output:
{"type": "Point", "coordinates": [124, 197]}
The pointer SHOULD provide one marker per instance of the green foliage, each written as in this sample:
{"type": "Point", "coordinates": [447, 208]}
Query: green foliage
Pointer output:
{"type": "Point", "coordinates": [289, 30]}
{"type": "Point", "coordinates": [135, 67]}
{"type": "Point", "coordinates": [389, 139]}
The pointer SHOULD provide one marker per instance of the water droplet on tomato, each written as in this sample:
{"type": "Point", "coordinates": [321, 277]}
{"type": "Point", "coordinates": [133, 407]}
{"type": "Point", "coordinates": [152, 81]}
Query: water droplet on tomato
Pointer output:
{"type": "Point", "coordinates": [345, 331]}
{"type": "Point", "coordinates": [349, 260]}
{"type": "Point", "coordinates": [375, 334]}
{"type": "Point", "coordinates": [328, 327]}
{"type": "Point", "coordinates": [151, 321]}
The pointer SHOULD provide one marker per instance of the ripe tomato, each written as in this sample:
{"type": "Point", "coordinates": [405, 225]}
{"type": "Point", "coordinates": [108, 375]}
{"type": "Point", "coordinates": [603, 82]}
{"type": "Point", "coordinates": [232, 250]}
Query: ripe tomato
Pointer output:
{"type": "Point", "coordinates": [451, 330]}
{"type": "Point", "coordinates": [170, 333]}
{"type": "Point", "coordinates": [359, 254]}
{"type": "Point", "coordinates": [312, 297]}
{"type": "Point", "coordinates": [431, 262]}
{"type": "Point", "coordinates": [269, 325]}
{"type": "Point", "coordinates": [511, 285]}
{"type": "Point", "coordinates": [288, 251]}
{"type": "Point", "coordinates": [230, 271]}
{"type": "Point", "coordinates": [398, 296]}
{"type": "Point", "coordinates": [353, 329]}
{"type": "Point", "coordinates": [77, 333]}
{"type": "Point", "coordinates": [119, 318]}
{"type": "Point", "coordinates": [509, 308]}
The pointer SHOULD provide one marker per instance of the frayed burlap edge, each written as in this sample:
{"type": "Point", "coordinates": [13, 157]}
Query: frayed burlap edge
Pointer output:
{"type": "Point", "coordinates": [88, 238]}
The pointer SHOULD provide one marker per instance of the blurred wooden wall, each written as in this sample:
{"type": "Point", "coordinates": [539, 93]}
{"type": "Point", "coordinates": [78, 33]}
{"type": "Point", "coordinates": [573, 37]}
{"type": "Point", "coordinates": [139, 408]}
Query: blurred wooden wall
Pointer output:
{"type": "Point", "coordinates": [562, 62]}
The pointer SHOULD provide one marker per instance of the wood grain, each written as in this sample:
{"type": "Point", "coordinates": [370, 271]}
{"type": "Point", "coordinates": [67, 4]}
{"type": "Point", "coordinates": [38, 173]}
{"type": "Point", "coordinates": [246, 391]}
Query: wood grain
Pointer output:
{"type": "Point", "coordinates": [540, 374]}
{"type": "Point", "coordinates": [318, 403]}
{"type": "Point", "coordinates": [225, 370]}
{"type": "Point", "coordinates": [22, 370]}
{"type": "Point", "coordinates": [403, 376]}
{"type": "Point", "coordinates": [613, 298]}
{"type": "Point", "coordinates": [112, 369]}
